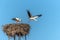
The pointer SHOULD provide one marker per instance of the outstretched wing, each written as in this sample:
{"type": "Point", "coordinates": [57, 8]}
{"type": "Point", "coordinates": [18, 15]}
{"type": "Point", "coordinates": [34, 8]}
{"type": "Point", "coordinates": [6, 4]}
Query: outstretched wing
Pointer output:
{"type": "Point", "coordinates": [39, 15]}
{"type": "Point", "coordinates": [29, 14]}
{"type": "Point", "coordinates": [14, 19]}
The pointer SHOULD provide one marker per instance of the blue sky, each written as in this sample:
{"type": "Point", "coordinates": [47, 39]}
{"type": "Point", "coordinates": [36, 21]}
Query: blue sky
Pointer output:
{"type": "Point", "coordinates": [46, 28]}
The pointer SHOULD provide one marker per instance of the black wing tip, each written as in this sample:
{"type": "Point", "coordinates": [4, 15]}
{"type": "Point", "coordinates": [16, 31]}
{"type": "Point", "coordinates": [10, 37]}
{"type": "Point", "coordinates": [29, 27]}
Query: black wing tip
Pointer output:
{"type": "Point", "coordinates": [39, 15]}
{"type": "Point", "coordinates": [27, 10]}
{"type": "Point", "coordinates": [29, 14]}
{"type": "Point", "coordinates": [13, 18]}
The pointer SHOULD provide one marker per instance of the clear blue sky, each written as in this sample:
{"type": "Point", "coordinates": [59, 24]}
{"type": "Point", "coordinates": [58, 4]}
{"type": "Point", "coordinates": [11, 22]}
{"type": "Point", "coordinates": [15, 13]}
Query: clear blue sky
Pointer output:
{"type": "Point", "coordinates": [46, 28]}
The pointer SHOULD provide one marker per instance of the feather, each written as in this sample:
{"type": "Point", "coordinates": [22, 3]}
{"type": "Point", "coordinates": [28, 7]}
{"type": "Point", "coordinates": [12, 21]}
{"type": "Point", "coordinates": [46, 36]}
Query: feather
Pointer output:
{"type": "Point", "coordinates": [29, 14]}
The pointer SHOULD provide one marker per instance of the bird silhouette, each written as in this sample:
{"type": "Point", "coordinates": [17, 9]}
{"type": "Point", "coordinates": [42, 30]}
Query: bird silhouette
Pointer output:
{"type": "Point", "coordinates": [34, 18]}
{"type": "Point", "coordinates": [17, 19]}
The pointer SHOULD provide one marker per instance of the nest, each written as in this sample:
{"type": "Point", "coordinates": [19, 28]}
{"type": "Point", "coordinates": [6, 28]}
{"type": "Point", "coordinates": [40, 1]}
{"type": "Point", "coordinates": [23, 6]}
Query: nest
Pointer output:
{"type": "Point", "coordinates": [16, 29]}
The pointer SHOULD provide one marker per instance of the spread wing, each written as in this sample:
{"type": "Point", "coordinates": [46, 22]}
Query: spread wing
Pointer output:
{"type": "Point", "coordinates": [14, 19]}
{"type": "Point", "coordinates": [39, 15]}
{"type": "Point", "coordinates": [29, 14]}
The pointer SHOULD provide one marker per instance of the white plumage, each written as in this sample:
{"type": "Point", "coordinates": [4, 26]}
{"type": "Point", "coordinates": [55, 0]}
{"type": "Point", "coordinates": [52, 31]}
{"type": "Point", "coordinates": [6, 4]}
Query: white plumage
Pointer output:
{"type": "Point", "coordinates": [17, 19]}
{"type": "Point", "coordinates": [33, 17]}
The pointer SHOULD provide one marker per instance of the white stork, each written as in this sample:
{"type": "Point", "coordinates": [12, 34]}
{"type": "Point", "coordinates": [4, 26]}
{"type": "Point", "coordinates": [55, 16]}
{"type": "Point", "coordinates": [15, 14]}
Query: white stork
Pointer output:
{"type": "Point", "coordinates": [17, 19]}
{"type": "Point", "coordinates": [33, 17]}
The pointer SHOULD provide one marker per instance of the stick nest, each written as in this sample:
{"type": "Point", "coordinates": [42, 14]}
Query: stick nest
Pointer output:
{"type": "Point", "coordinates": [16, 29]}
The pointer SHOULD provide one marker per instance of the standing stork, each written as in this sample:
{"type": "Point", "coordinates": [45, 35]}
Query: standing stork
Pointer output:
{"type": "Point", "coordinates": [17, 19]}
